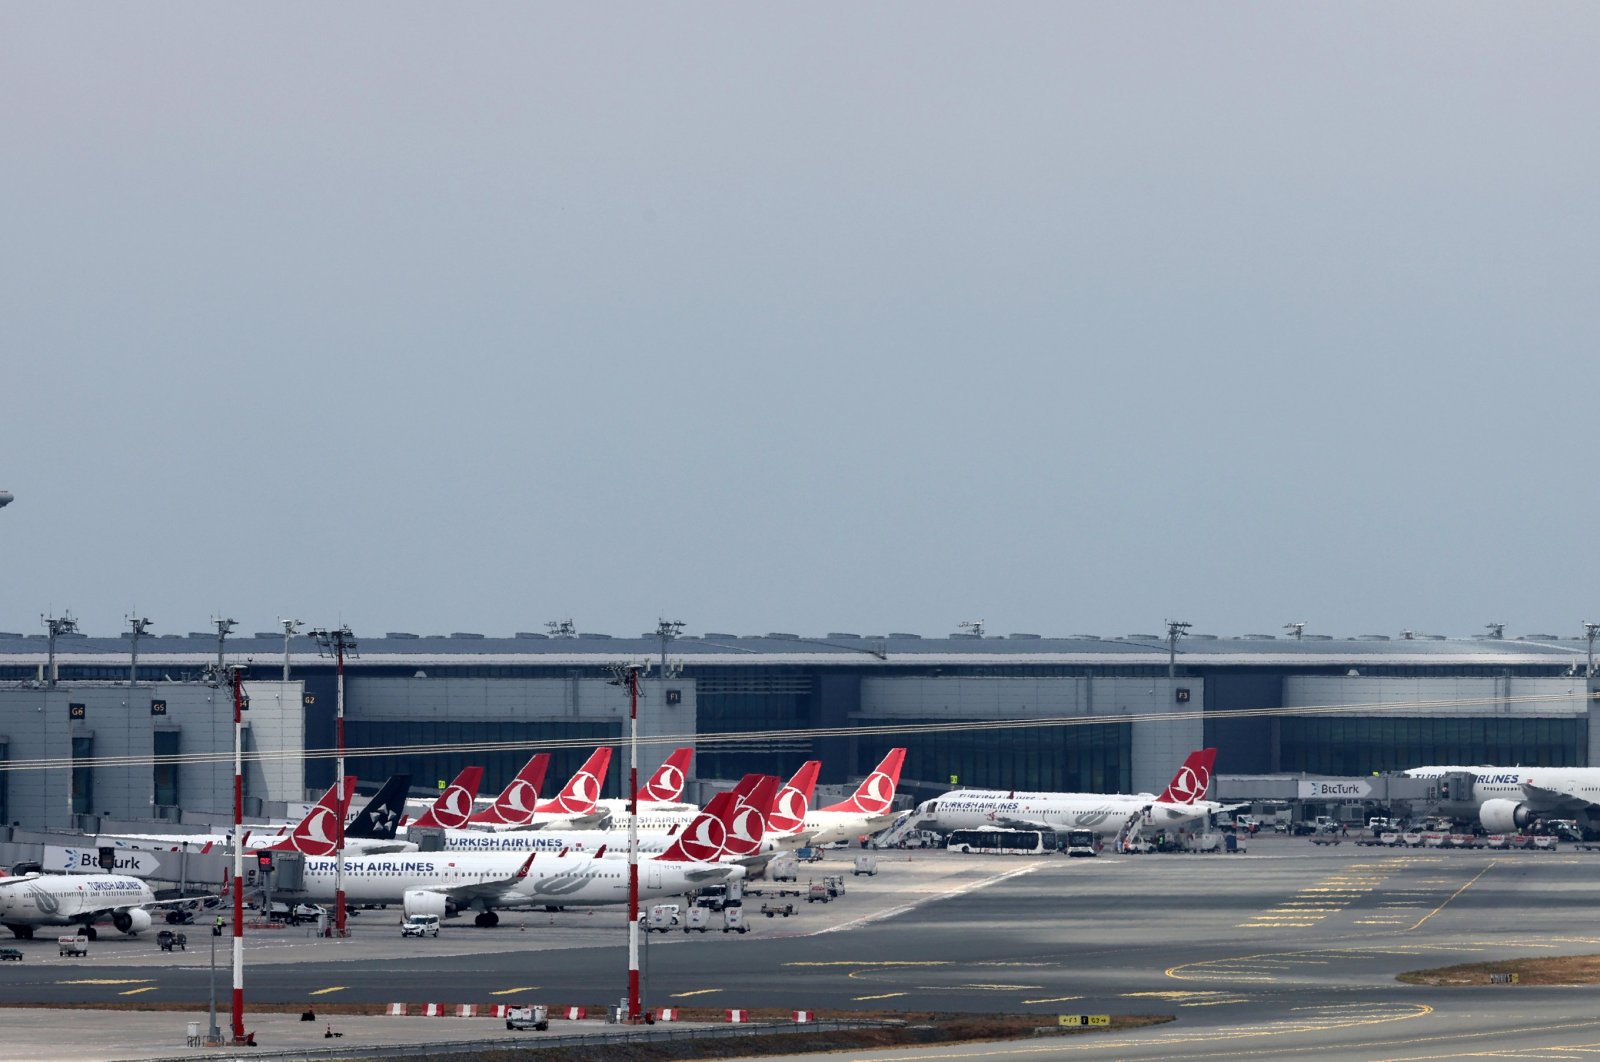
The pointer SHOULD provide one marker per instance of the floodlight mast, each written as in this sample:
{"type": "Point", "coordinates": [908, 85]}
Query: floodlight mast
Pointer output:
{"type": "Point", "coordinates": [137, 627]}
{"type": "Point", "coordinates": [291, 627]}
{"type": "Point", "coordinates": [56, 626]}
{"type": "Point", "coordinates": [1497, 631]}
{"type": "Point", "coordinates": [224, 628]}
{"type": "Point", "coordinates": [1589, 632]}
{"type": "Point", "coordinates": [1296, 629]}
{"type": "Point", "coordinates": [233, 676]}
{"type": "Point", "coordinates": [1175, 630]}
{"type": "Point", "coordinates": [338, 643]}
{"type": "Point", "coordinates": [628, 675]}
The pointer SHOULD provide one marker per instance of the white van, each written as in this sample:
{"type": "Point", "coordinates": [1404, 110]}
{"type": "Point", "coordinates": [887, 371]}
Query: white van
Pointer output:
{"type": "Point", "coordinates": [420, 925]}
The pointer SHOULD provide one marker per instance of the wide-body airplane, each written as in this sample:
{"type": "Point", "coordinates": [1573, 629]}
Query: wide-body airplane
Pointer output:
{"type": "Point", "coordinates": [1508, 799]}
{"type": "Point", "coordinates": [1104, 813]}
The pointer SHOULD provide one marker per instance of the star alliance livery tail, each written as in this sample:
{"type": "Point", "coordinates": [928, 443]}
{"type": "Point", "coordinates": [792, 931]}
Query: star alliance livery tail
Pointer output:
{"type": "Point", "coordinates": [381, 817]}
{"type": "Point", "coordinates": [875, 794]}
{"type": "Point", "coordinates": [454, 805]}
{"type": "Point", "coordinates": [1192, 779]}
{"type": "Point", "coordinates": [514, 806]}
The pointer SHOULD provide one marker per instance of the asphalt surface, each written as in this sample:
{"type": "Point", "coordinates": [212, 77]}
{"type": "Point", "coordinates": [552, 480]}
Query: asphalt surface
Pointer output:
{"type": "Point", "coordinates": [1287, 950]}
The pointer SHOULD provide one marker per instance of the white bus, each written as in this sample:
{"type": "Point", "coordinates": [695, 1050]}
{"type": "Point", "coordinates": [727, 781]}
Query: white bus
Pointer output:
{"type": "Point", "coordinates": [999, 842]}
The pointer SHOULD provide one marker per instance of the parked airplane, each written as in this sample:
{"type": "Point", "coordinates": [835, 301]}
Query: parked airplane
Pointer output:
{"type": "Point", "coordinates": [372, 831]}
{"type": "Point", "coordinates": [577, 804]}
{"type": "Point", "coordinates": [869, 809]}
{"type": "Point", "coordinates": [1105, 814]}
{"type": "Point", "coordinates": [444, 884]}
{"type": "Point", "coordinates": [452, 808]}
{"type": "Point", "coordinates": [1507, 799]}
{"type": "Point", "coordinates": [516, 803]}
{"type": "Point", "coordinates": [663, 790]}
{"type": "Point", "coordinates": [32, 900]}
{"type": "Point", "coordinates": [613, 841]}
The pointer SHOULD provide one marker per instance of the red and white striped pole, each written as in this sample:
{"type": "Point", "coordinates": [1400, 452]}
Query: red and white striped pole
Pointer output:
{"type": "Point", "coordinates": [338, 842]}
{"type": "Point", "coordinates": [634, 1015]}
{"type": "Point", "coordinates": [238, 855]}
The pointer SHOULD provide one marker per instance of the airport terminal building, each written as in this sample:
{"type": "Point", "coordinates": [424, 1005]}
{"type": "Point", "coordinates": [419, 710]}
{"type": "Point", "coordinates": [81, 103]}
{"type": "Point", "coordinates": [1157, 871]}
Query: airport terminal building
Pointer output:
{"type": "Point", "coordinates": [1084, 713]}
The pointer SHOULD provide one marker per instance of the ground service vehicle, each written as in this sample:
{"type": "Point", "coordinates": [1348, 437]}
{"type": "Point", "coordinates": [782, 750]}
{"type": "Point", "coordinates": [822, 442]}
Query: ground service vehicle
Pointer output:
{"type": "Point", "coordinates": [997, 842]}
{"type": "Point", "coordinates": [537, 1018]}
{"type": "Point", "coordinates": [1080, 843]}
{"type": "Point", "coordinates": [420, 926]}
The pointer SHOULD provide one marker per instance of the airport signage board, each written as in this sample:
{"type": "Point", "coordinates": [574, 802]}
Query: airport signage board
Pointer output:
{"type": "Point", "coordinates": [133, 862]}
{"type": "Point", "coordinates": [1083, 1019]}
{"type": "Point", "coordinates": [1334, 788]}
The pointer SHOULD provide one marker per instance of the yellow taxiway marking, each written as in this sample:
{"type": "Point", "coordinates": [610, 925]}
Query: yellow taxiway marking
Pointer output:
{"type": "Point", "coordinates": [1453, 895]}
{"type": "Point", "coordinates": [514, 991]}
{"type": "Point", "coordinates": [1214, 1002]}
{"type": "Point", "coordinates": [108, 981]}
{"type": "Point", "coordinates": [696, 992]}
{"type": "Point", "coordinates": [886, 995]}
{"type": "Point", "coordinates": [876, 962]}
{"type": "Point", "coordinates": [1053, 999]}
{"type": "Point", "coordinates": [325, 991]}
{"type": "Point", "coordinates": [136, 991]}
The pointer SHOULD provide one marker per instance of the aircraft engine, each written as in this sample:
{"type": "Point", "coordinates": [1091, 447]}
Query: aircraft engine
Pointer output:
{"type": "Point", "coordinates": [131, 921]}
{"type": "Point", "coordinates": [427, 902]}
{"type": "Point", "coordinates": [1504, 816]}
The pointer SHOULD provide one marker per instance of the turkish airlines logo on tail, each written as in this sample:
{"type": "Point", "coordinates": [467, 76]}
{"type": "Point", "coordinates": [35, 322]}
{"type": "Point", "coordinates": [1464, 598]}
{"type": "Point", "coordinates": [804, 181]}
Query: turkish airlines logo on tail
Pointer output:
{"type": "Point", "coordinates": [788, 811]}
{"type": "Point", "coordinates": [876, 794]}
{"type": "Point", "coordinates": [516, 803]}
{"type": "Point", "coordinates": [744, 833]}
{"type": "Point", "coordinates": [580, 794]}
{"type": "Point", "coordinates": [666, 785]}
{"type": "Point", "coordinates": [704, 840]}
{"type": "Point", "coordinates": [453, 808]}
{"type": "Point", "coordinates": [1190, 784]}
{"type": "Point", "coordinates": [314, 835]}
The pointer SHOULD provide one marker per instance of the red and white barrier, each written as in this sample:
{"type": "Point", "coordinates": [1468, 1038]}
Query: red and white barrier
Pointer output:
{"type": "Point", "coordinates": [499, 1009]}
{"type": "Point", "coordinates": [433, 1010]}
{"type": "Point", "coordinates": [467, 1010]}
{"type": "Point", "coordinates": [397, 1009]}
{"type": "Point", "coordinates": [576, 1013]}
{"type": "Point", "coordinates": [803, 1016]}
{"type": "Point", "coordinates": [738, 1016]}
{"type": "Point", "coordinates": [667, 1014]}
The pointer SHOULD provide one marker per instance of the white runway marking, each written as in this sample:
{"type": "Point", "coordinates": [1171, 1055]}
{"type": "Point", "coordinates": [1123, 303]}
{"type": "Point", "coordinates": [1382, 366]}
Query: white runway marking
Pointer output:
{"type": "Point", "coordinates": [903, 908]}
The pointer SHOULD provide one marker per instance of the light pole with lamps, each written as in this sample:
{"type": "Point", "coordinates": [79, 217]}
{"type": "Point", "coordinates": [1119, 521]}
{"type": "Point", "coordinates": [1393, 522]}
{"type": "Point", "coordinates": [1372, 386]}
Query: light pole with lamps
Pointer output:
{"type": "Point", "coordinates": [339, 643]}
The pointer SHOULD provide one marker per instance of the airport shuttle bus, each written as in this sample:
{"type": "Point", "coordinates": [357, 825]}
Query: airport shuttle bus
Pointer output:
{"type": "Point", "coordinates": [1000, 842]}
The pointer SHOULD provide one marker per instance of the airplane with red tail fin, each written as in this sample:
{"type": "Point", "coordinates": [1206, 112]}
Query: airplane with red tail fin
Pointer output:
{"type": "Point", "coordinates": [453, 806]}
{"type": "Point", "coordinates": [1106, 814]}
{"type": "Point", "coordinates": [867, 810]}
{"type": "Point", "coordinates": [516, 804]}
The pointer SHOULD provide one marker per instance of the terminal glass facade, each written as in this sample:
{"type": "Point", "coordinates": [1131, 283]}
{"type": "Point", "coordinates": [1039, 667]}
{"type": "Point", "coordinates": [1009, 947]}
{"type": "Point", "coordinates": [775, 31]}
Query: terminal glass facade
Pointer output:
{"type": "Point", "coordinates": [1344, 745]}
{"type": "Point", "coordinates": [1097, 758]}
{"type": "Point", "coordinates": [743, 704]}
{"type": "Point", "coordinates": [165, 780]}
{"type": "Point", "coordinates": [82, 776]}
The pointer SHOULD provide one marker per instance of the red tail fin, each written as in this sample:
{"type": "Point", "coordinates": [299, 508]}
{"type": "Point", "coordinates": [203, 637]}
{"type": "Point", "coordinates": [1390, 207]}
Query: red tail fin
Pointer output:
{"type": "Point", "coordinates": [875, 794]}
{"type": "Point", "coordinates": [578, 796]}
{"type": "Point", "coordinates": [454, 806]}
{"type": "Point", "coordinates": [514, 806]}
{"type": "Point", "coordinates": [749, 824]}
{"type": "Point", "coordinates": [318, 833]}
{"type": "Point", "coordinates": [703, 840]}
{"type": "Point", "coordinates": [665, 786]}
{"type": "Point", "coordinates": [1192, 779]}
{"type": "Point", "coordinates": [789, 807]}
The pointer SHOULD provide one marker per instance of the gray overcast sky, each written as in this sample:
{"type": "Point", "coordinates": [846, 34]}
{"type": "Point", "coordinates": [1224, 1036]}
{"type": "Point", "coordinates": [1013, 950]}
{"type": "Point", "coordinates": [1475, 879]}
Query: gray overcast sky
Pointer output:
{"type": "Point", "coordinates": [800, 317]}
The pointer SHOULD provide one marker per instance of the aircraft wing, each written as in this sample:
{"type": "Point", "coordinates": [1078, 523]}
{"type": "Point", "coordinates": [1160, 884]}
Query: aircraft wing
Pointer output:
{"type": "Point", "coordinates": [1555, 798]}
{"type": "Point", "coordinates": [489, 888]}
{"type": "Point", "coordinates": [1015, 822]}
